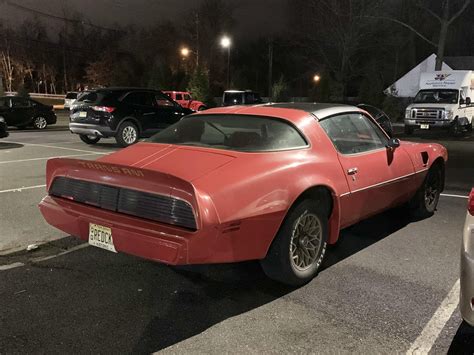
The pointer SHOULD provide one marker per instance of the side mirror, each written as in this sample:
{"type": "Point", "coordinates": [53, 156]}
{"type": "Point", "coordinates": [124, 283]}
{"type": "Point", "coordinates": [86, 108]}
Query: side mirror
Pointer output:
{"type": "Point", "coordinates": [468, 100]}
{"type": "Point", "coordinates": [393, 143]}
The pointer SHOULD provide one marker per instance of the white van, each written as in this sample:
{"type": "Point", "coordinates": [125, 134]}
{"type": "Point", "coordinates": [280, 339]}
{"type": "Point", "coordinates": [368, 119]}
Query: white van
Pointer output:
{"type": "Point", "coordinates": [444, 101]}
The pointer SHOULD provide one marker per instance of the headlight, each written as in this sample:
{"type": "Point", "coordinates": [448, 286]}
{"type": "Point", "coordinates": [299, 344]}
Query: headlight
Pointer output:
{"type": "Point", "coordinates": [2, 119]}
{"type": "Point", "coordinates": [449, 115]}
{"type": "Point", "coordinates": [408, 113]}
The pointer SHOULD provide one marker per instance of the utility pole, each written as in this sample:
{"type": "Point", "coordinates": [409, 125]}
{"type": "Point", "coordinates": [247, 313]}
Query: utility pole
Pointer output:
{"type": "Point", "coordinates": [197, 39]}
{"type": "Point", "coordinates": [270, 68]}
{"type": "Point", "coordinates": [64, 48]}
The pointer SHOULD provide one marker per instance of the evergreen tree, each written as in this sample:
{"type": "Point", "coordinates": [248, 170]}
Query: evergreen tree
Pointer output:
{"type": "Point", "coordinates": [199, 86]}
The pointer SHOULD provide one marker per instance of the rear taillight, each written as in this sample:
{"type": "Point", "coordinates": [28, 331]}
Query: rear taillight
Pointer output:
{"type": "Point", "coordinates": [103, 109]}
{"type": "Point", "coordinates": [470, 204]}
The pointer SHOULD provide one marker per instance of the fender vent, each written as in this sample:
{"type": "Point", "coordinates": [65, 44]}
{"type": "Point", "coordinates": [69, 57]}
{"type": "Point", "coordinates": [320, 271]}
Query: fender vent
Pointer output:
{"type": "Point", "coordinates": [425, 158]}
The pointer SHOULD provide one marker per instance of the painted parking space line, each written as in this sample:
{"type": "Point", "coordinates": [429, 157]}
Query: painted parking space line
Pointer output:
{"type": "Point", "coordinates": [56, 147]}
{"type": "Point", "coordinates": [455, 196]}
{"type": "Point", "coordinates": [35, 159]}
{"type": "Point", "coordinates": [44, 258]}
{"type": "Point", "coordinates": [433, 328]}
{"type": "Point", "coordinates": [10, 266]}
{"type": "Point", "coordinates": [20, 189]}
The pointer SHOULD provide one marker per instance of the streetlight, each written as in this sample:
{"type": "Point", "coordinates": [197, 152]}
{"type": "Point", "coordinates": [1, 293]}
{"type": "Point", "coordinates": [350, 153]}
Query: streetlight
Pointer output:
{"type": "Point", "coordinates": [227, 43]}
{"type": "Point", "coordinates": [316, 78]}
{"type": "Point", "coordinates": [185, 52]}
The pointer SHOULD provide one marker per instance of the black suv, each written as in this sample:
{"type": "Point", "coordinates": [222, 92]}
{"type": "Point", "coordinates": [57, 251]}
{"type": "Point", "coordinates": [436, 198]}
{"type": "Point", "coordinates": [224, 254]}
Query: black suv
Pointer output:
{"type": "Point", "coordinates": [240, 97]}
{"type": "Point", "coordinates": [123, 113]}
{"type": "Point", "coordinates": [23, 112]}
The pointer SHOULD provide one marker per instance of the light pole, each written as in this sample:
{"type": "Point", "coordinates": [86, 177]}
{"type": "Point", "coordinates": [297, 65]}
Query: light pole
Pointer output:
{"type": "Point", "coordinates": [185, 52]}
{"type": "Point", "coordinates": [227, 43]}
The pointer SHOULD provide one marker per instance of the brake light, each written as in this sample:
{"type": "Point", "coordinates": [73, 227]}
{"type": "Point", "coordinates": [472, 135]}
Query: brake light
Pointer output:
{"type": "Point", "coordinates": [470, 204]}
{"type": "Point", "coordinates": [103, 109]}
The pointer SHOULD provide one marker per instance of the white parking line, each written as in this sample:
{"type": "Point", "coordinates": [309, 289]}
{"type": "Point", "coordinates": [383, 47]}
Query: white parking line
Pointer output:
{"type": "Point", "coordinates": [20, 189]}
{"type": "Point", "coordinates": [56, 147]}
{"type": "Point", "coordinates": [36, 260]}
{"type": "Point", "coordinates": [433, 328]}
{"type": "Point", "coordinates": [457, 196]}
{"type": "Point", "coordinates": [60, 156]}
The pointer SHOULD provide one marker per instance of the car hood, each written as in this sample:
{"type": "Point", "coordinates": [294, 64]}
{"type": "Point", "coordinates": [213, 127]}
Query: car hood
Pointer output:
{"type": "Point", "coordinates": [187, 163]}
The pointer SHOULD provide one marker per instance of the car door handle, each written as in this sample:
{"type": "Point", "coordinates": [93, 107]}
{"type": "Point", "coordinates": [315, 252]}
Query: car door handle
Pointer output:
{"type": "Point", "coordinates": [352, 171]}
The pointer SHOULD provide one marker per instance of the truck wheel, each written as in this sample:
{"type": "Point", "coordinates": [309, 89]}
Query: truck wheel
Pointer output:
{"type": "Point", "coordinates": [202, 108]}
{"type": "Point", "coordinates": [127, 134]}
{"type": "Point", "coordinates": [409, 130]}
{"type": "Point", "coordinates": [299, 246]}
{"type": "Point", "coordinates": [456, 129]}
{"type": "Point", "coordinates": [89, 139]}
{"type": "Point", "coordinates": [424, 203]}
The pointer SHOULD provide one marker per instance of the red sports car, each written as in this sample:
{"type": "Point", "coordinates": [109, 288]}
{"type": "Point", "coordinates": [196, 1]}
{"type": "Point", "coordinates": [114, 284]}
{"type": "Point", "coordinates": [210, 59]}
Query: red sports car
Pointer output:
{"type": "Point", "coordinates": [274, 183]}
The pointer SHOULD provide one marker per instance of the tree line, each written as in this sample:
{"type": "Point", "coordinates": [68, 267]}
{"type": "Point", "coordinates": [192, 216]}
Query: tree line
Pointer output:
{"type": "Point", "coordinates": [357, 47]}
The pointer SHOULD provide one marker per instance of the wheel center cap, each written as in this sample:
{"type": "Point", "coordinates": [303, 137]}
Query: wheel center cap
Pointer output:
{"type": "Point", "coordinates": [304, 241]}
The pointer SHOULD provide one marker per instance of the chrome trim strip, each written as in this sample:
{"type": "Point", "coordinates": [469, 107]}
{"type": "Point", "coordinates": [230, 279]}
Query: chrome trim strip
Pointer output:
{"type": "Point", "coordinates": [384, 182]}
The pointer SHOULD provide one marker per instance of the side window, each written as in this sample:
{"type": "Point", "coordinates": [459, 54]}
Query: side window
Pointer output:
{"type": "Point", "coordinates": [163, 101]}
{"type": "Point", "coordinates": [4, 102]}
{"type": "Point", "coordinates": [353, 133]}
{"type": "Point", "coordinates": [135, 98]}
{"type": "Point", "coordinates": [187, 97]}
{"type": "Point", "coordinates": [19, 102]}
{"type": "Point", "coordinates": [462, 99]}
{"type": "Point", "coordinates": [179, 96]}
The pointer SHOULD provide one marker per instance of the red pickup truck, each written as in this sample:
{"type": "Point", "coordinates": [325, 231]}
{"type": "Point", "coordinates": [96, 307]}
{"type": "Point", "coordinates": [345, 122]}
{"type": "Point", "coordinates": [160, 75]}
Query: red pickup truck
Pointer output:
{"type": "Point", "coordinates": [184, 99]}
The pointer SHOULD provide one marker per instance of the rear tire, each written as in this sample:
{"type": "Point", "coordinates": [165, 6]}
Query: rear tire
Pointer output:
{"type": "Point", "coordinates": [424, 203]}
{"type": "Point", "coordinates": [127, 134]}
{"type": "Point", "coordinates": [89, 139]}
{"type": "Point", "coordinates": [40, 122]}
{"type": "Point", "coordinates": [299, 246]}
{"type": "Point", "coordinates": [202, 108]}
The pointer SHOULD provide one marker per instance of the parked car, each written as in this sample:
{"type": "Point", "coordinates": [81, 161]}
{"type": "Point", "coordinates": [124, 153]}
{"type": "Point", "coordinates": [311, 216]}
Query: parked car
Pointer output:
{"type": "Point", "coordinates": [24, 112]}
{"type": "Point", "coordinates": [3, 128]}
{"type": "Point", "coordinates": [466, 303]}
{"type": "Point", "coordinates": [125, 114]}
{"type": "Point", "coordinates": [240, 97]}
{"type": "Point", "coordinates": [274, 183]}
{"type": "Point", "coordinates": [381, 117]}
{"type": "Point", "coordinates": [69, 99]}
{"type": "Point", "coordinates": [185, 99]}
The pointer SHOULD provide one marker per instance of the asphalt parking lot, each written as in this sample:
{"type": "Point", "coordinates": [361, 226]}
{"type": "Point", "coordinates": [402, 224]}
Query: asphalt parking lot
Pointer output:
{"type": "Point", "coordinates": [389, 285]}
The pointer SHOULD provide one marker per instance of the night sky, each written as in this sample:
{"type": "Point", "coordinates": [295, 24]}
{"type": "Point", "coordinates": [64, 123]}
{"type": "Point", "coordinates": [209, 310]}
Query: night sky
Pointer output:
{"type": "Point", "coordinates": [253, 17]}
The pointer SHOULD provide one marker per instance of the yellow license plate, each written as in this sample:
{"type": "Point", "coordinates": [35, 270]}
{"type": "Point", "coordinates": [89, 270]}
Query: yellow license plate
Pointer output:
{"type": "Point", "coordinates": [101, 237]}
{"type": "Point", "coordinates": [83, 114]}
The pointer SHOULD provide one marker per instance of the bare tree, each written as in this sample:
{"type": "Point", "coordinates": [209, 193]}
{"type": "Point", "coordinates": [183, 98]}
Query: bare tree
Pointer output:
{"type": "Point", "coordinates": [445, 14]}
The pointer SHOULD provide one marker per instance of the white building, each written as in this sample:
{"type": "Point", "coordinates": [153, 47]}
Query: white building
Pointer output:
{"type": "Point", "coordinates": [408, 84]}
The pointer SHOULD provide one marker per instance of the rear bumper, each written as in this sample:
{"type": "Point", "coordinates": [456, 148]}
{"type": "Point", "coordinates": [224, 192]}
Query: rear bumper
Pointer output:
{"type": "Point", "coordinates": [91, 130]}
{"type": "Point", "coordinates": [467, 275]}
{"type": "Point", "coordinates": [215, 243]}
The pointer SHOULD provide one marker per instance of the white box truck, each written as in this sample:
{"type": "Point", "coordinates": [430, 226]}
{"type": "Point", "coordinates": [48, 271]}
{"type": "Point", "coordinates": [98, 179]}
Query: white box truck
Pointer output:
{"type": "Point", "coordinates": [444, 101]}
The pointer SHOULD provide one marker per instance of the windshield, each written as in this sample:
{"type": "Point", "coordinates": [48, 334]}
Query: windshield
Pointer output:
{"type": "Point", "coordinates": [71, 95]}
{"type": "Point", "coordinates": [437, 97]}
{"type": "Point", "coordinates": [233, 132]}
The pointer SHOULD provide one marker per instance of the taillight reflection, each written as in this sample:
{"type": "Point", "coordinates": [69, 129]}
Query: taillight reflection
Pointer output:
{"type": "Point", "coordinates": [103, 109]}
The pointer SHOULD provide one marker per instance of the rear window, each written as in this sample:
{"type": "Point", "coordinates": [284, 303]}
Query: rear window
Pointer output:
{"type": "Point", "coordinates": [71, 95]}
{"type": "Point", "coordinates": [98, 97]}
{"type": "Point", "coordinates": [232, 98]}
{"type": "Point", "coordinates": [232, 132]}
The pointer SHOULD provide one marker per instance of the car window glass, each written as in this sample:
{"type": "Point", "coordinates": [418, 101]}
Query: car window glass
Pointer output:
{"type": "Point", "coordinates": [353, 133]}
{"type": "Point", "coordinates": [187, 97]}
{"type": "Point", "coordinates": [19, 102]}
{"type": "Point", "coordinates": [162, 100]}
{"type": "Point", "coordinates": [139, 98]}
{"type": "Point", "coordinates": [4, 102]}
{"type": "Point", "coordinates": [179, 96]}
{"type": "Point", "coordinates": [234, 132]}
{"type": "Point", "coordinates": [232, 98]}
{"type": "Point", "coordinates": [71, 95]}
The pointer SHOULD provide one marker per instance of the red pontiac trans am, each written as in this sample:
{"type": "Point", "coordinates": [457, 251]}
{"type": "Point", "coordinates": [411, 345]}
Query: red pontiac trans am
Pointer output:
{"type": "Point", "coordinates": [274, 183]}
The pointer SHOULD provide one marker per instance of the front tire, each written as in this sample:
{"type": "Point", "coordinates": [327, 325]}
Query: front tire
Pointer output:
{"type": "Point", "coordinates": [299, 246]}
{"type": "Point", "coordinates": [89, 139]}
{"type": "Point", "coordinates": [127, 134]}
{"type": "Point", "coordinates": [424, 203]}
{"type": "Point", "coordinates": [40, 122]}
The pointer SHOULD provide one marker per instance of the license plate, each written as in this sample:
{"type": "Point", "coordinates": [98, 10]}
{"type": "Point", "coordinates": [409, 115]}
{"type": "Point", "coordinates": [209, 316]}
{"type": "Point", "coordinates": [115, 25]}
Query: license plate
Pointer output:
{"type": "Point", "coordinates": [101, 237]}
{"type": "Point", "coordinates": [425, 126]}
{"type": "Point", "coordinates": [83, 114]}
